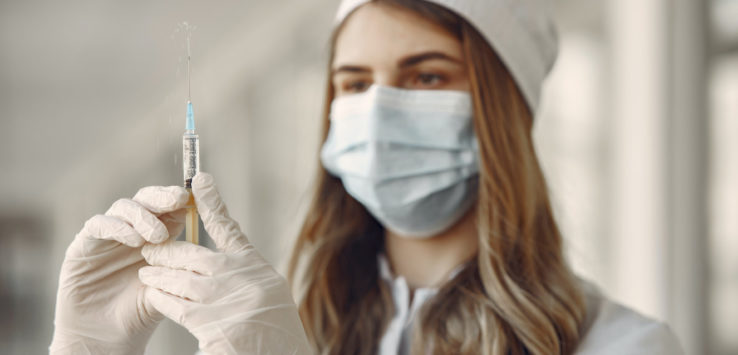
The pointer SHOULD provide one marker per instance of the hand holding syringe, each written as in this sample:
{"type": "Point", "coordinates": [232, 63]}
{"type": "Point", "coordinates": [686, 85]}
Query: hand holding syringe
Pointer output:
{"type": "Point", "coordinates": [126, 264]}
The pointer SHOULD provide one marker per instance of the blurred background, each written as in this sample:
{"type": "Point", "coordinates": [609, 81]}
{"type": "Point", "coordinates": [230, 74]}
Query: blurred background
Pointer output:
{"type": "Point", "coordinates": [638, 135]}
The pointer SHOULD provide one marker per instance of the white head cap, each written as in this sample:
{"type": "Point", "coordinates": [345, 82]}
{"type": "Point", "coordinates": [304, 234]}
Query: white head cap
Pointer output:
{"type": "Point", "coordinates": [520, 31]}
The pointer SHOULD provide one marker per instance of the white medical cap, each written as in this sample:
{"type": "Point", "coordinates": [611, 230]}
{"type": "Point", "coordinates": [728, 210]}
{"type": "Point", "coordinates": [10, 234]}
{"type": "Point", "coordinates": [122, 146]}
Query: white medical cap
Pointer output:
{"type": "Point", "coordinates": [521, 32]}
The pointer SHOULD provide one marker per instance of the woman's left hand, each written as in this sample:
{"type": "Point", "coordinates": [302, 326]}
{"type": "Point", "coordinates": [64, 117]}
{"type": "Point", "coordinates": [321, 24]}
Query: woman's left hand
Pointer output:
{"type": "Point", "coordinates": [231, 300]}
{"type": "Point", "coordinates": [100, 305]}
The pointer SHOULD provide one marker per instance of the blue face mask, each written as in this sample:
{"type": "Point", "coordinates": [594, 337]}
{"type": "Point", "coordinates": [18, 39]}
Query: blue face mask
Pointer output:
{"type": "Point", "coordinates": [409, 156]}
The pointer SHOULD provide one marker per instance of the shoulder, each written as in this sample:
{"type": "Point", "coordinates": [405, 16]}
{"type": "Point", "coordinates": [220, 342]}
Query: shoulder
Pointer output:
{"type": "Point", "coordinates": [612, 328]}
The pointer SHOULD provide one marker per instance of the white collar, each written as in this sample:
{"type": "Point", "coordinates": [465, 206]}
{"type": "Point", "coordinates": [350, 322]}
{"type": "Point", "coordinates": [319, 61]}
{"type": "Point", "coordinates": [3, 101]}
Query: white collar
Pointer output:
{"type": "Point", "coordinates": [385, 271]}
{"type": "Point", "coordinates": [396, 339]}
{"type": "Point", "coordinates": [401, 290]}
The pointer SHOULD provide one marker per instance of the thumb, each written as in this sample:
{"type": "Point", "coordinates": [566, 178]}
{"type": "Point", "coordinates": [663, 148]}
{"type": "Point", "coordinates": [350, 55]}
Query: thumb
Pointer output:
{"type": "Point", "coordinates": [224, 231]}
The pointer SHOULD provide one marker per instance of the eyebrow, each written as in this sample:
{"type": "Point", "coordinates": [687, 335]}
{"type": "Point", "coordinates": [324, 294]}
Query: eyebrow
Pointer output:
{"type": "Point", "coordinates": [408, 61]}
{"type": "Point", "coordinates": [422, 57]}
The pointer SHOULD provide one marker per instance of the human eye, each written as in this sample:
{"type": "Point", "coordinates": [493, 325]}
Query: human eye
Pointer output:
{"type": "Point", "coordinates": [427, 80]}
{"type": "Point", "coordinates": [355, 86]}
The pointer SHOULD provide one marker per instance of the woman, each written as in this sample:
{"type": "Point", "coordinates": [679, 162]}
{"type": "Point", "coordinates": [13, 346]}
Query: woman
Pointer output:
{"type": "Point", "coordinates": [430, 230]}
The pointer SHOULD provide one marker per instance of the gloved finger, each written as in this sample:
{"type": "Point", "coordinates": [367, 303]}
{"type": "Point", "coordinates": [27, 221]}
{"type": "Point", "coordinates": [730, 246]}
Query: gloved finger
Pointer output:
{"type": "Point", "coordinates": [141, 219]}
{"type": "Point", "coordinates": [182, 256]}
{"type": "Point", "coordinates": [149, 313]}
{"type": "Point", "coordinates": [174, 221]}
{"type": "Point", "coordinates": [111, 228]}
{"type": "Point", "coordinates": [181, 283]}
{"type": "Point", "coordinates": [168, 203]}
{"type": "Point", "coordinates": [224, 231]}
{"type": "Point", "coordinates": [162, 199]}
{"type": "Point", "coordinates": [172, 307]}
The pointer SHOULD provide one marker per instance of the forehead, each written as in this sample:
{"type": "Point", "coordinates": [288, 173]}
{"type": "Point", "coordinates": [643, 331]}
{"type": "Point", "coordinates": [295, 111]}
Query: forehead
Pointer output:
{"type": "Point", "coordinates": [378, 33]}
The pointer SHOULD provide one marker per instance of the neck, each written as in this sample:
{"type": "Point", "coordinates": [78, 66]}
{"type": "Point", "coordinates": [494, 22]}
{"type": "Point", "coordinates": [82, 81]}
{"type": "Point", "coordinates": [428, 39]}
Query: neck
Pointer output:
{"type": "Point", "coordinates": [427, 262]}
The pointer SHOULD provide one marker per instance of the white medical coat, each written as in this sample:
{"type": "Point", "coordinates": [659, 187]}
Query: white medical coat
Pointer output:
{"type": "Point", "coordinates": [610, 328]}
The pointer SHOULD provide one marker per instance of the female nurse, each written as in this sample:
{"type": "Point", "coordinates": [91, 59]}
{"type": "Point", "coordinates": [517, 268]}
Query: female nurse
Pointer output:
{"type": "Point", "coordinates": [430, 231]}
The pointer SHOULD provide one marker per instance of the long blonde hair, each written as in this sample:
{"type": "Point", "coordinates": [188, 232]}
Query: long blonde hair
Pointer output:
{"type": "Point", "coordinates": [519, 297]}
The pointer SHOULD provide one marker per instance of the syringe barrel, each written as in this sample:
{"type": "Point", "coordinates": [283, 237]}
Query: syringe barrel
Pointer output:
{"type": "Point", "coordinates": [190, 157]}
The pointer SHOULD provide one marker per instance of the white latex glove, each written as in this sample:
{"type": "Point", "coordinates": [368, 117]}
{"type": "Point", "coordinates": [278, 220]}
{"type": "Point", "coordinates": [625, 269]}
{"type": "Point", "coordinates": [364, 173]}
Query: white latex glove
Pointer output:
{"type": "Point", "coordinates": [100, 304]}
{"type": "Point", "coordinates": [231, 300]}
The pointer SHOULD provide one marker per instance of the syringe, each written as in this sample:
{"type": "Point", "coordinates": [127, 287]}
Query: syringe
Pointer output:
{"type": "Point", "coordinates": [191, 165]}
{"type": "Point", "coordinates": [190, 158]}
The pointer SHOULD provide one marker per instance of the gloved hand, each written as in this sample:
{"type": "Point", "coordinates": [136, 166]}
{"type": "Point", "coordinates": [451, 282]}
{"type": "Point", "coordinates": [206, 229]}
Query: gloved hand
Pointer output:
{"type": "Point", "coordinates": [231, 300]}
{"type": "Point", "coordinates": [100, 304]}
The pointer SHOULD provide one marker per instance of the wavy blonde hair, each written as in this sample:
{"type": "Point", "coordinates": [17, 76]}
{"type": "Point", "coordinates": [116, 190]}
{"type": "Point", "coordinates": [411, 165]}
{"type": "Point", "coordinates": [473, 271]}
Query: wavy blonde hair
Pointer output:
{"type": "Point", "coordinates": [519, 297]}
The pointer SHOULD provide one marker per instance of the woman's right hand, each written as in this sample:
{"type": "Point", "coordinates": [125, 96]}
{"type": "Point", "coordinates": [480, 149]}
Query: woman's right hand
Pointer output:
{"type": "Point", "coordinates": [231, 299]}
{"type": "Point", "coordinates": [100, 304]}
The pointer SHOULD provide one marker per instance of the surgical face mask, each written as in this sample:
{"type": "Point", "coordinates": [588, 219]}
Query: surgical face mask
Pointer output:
{"type": "Point", "coordinates": [409, 156]}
